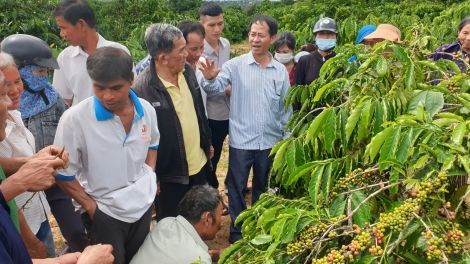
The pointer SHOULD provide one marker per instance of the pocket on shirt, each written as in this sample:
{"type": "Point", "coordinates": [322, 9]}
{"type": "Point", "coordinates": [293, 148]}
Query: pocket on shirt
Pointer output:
{"type": "Point", "coordinates": [276, 89]}
{"type": "Point", "coordinates": [275, 94]}
{"type": "Point", "coordinates": [48, 133]}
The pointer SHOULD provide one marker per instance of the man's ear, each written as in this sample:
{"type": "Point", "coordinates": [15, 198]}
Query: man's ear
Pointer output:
{"type": "Point", "coordinates": [162, 58]}
{"type": "Point", "coordinates": [82, 24]}
{"type": "Point", "coordinates": [273, 38]}
{"type": "Point", "coordinates": [206, 217]}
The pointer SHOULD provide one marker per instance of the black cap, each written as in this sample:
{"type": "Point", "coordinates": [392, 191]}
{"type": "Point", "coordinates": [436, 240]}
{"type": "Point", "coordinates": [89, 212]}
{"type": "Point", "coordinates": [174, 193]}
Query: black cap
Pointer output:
{"type": "Point", "coordinates": [28, 50]}
{"type": "Point", "coordinates": [325, 24]}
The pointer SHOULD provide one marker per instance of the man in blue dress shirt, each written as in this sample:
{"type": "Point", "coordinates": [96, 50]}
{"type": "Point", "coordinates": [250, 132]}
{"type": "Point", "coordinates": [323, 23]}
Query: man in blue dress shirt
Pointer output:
{"type": "Point", "coordinates": [257, 115]}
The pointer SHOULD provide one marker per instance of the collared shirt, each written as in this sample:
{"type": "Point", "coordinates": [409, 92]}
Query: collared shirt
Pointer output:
{"type": "Point", "coordinates": [173, 241]}
{"type": "Point", "coordinates": [19, 142]}
{"type": "Point", "coordinates": [218, 105]}
{"type": "Point", "coordinates": [146, 62]}
{"type": "Point", "coordinates": [184, 107]}
{"type": "Point", "coordinates": [258, 116]}
{"type": "Point", "coordinates": [108, 162]}
{"type": "Point", "coordinates": [72, 80]}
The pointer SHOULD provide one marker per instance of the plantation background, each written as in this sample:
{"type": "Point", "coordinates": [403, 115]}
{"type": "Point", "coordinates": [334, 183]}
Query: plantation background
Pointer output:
{"type": "Point", "coordinates": [126, 21]}
{"type": "Point", "coordinates": [368, 172]}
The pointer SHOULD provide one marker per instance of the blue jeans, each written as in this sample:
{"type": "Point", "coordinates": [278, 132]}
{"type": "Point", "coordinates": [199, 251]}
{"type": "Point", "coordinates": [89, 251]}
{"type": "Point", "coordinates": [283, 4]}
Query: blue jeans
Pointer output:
{"type": "Point", "coordinates": [239, 166]}
{"type": "Point", "coordinates": [44, 234]}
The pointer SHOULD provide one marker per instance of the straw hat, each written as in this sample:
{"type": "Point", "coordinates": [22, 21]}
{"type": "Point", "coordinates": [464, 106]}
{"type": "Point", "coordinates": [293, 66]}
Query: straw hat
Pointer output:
{"type": "Point", "coordinates": [385, 31]}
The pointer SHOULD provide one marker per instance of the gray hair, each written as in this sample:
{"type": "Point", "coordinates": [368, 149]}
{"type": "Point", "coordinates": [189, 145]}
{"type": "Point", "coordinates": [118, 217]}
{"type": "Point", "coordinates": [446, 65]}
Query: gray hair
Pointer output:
{"type": "Point", "coordinates": [6, 60]}
{"type": "Point", "coordinates": [159, 38]}
{"type": "Point", "coordinates": [2, 79]}
{"type": "Point", "coordinates": [199, 199]}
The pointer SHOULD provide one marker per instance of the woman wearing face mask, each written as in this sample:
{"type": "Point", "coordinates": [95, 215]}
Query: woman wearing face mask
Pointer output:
{"type": "Point", "coordinates": [39, 108]}
{"type": "Point", "coordinates": [284, 46]}
{"type": "Point", "coordinates": [308, 68]}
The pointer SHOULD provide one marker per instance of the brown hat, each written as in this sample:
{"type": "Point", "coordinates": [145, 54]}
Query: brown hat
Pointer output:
{"type": "Point", "coordinates": [385, 31]}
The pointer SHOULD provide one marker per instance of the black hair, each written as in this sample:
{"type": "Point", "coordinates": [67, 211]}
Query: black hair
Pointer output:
{"type": "Point", "coordinates": [285, 38]}
{"type": "Point", "coordinates": [199, 199]}
{"type": "Point", "coordinates": [464, 22]}
{"type": "Point", "coordinates": [210, 9]}
{"type": "Point", "coordinates": [74, 10]}
{"type": "Point", "coordinates": [188, 26]}
{"type": "Point", "coordinates": [109, 64]}
{"type": "Point", "coordinates": [271, 22]}
{"type": "Point", "coordinates": [309, 47]}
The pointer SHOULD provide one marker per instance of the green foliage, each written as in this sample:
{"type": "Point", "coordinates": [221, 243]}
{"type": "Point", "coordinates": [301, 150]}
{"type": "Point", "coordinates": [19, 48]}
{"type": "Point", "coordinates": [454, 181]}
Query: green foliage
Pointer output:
{"type": "Point", "coordinates": [236, 24]}
{"type": "Point", "coordinates": [179, 6]}
{"type": "Point", "coordinates": [29, 17]}
{"type": "Point", "coordinates": [125, 21]}
{"type": "Point", "coordinates": [368, 173]}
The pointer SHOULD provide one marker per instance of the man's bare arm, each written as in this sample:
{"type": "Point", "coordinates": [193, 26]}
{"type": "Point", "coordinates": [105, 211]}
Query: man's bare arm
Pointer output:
{"type": "Point", "coordinates": [35, 247]}
{"type": "Point", "coordinates": [151, 159]}
{"type": "Point", "coordinates": [76, 191]}
{"type": "Point", "coordinates": [12, 165]}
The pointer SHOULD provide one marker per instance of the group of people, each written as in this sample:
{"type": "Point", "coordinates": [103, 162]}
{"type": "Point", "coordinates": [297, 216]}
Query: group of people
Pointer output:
{"type": "Point", "coordinates": [107, 142]}
{"type": "Point", "coordinates": [133, 137]}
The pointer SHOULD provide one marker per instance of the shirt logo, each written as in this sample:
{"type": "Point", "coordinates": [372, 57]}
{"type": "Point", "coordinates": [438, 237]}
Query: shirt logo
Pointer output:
{"type": "Point", "coordinates": [145, 133]}
{"type": "Point", "coordinates": [155, 104]}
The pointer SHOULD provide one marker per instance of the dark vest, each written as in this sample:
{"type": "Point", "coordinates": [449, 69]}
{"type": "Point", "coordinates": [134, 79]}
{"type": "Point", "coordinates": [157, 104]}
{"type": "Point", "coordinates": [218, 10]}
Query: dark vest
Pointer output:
{"type": "Point", "coordinates": [171, 159]}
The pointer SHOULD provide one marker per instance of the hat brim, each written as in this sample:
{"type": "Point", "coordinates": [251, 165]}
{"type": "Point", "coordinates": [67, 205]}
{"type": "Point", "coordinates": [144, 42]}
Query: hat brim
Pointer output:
{"type": "Point", "coordinates": [383, 34]}
{"type": "Point", "coordinates": [49, 62]}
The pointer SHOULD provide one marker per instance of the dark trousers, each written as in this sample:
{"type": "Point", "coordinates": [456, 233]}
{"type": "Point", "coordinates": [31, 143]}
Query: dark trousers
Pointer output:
{"type": "Point", "coordinates": [171, 194]}
{"type": "Point", "coordinates": [69, 221]}
{"type": "Point", "coordinates": [219, 131]}
{"type": "Point", "coordinates": [239, 165]}
{"type": "Point", "coordinates": [126, 238]}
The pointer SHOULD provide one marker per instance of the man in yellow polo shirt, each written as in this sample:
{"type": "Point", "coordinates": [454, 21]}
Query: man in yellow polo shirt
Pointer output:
{"type": "Point", "coordinates": [171, 86]}
{"type": "Point", "coordinates": [184, 107]}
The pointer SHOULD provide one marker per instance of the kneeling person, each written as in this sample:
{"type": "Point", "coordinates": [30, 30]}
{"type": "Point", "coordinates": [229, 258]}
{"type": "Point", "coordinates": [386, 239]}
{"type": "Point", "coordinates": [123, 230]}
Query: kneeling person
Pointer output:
{"type": "Point", "coordinates": [112, 139]}
{"type": "Point", "coordinates": [180, 239]}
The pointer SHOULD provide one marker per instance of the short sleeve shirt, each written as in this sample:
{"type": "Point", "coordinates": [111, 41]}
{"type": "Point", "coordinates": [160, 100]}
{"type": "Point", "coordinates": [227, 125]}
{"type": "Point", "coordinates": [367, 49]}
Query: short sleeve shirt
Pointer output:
{"type": "Point", "coordinates": [108, 162]}
{"type": "Point", "coordinates": [72, 80]}
{"type": "Point", "coordinates": [173, 240]}
{"type": "Point", "coordinates": [19, 142]}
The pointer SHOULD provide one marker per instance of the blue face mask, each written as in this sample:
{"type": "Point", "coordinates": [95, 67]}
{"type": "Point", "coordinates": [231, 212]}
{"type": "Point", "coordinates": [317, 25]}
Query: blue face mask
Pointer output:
{"type": "Point", "coordinates": [325, 44]}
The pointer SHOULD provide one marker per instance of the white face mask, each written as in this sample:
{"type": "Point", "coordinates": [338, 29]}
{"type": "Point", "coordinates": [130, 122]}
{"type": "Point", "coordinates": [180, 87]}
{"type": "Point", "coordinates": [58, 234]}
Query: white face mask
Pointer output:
{"type": "Point", "coordinates": [284, 57]}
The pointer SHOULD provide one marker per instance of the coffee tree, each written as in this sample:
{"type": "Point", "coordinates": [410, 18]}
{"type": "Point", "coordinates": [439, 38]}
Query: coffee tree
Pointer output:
{"type": "Point", "coordinates": [375, 169]}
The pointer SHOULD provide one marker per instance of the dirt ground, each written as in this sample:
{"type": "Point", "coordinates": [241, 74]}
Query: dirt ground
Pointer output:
{"type": "Point", "coordinates": [221, 239]}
